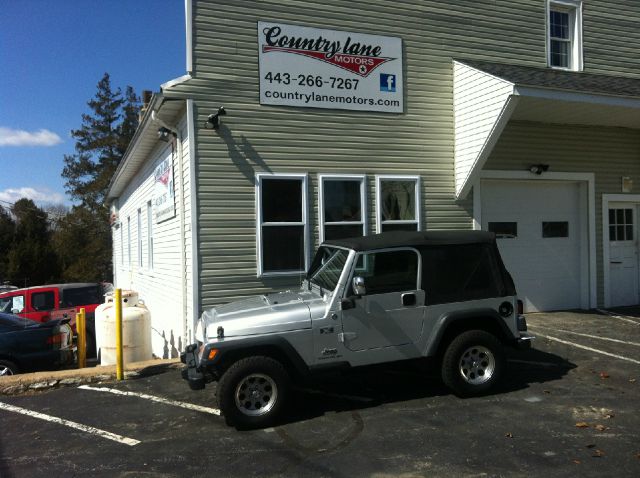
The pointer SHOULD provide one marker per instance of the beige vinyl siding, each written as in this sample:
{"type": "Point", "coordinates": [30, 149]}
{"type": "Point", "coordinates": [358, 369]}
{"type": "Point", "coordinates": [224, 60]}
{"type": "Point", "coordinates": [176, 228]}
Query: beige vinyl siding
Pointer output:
{"type": "Point", "coordinates": [255, 138]}
{"type": "Point", "coordinates": [612, 37]}
{"type": "Point", "coordinates": [610, 153]}
{"type": "Point", "coordinates": [161, 286]}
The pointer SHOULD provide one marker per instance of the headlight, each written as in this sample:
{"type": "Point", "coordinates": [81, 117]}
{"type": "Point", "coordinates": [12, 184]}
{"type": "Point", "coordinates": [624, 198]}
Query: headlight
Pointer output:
{"type": "Point", "coordinates": [200, 332]}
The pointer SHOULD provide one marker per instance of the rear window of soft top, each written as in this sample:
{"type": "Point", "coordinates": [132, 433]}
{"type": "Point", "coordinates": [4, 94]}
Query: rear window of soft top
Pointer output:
{"type": "Point", "coordinates": [76, 296]}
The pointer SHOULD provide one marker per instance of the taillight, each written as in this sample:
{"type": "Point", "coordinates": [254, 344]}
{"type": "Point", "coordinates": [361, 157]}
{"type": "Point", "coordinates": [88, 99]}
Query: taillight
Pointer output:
{"type": "Point", "coordinates": [520, 307]}
{"type": "Point", "coordinates": [62, 338]}
{"type": "Point", "coordinates": [57, 339]}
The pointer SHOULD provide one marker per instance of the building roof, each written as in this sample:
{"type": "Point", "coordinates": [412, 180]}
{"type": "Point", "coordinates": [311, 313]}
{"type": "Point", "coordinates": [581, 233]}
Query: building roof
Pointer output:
{"type": "Point", "coordinates": [576, 81]}
{"type": "Point", "coordinates": [413, 239]}
{"type": "Point", "coordinates": [144, 140]}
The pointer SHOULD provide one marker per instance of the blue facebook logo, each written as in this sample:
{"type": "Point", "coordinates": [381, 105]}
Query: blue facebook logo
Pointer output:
{"type": "Point", "coordinates": [387, 82]}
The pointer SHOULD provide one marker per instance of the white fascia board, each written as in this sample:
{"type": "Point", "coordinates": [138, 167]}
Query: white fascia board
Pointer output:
{"type": "Point", "coordinates": [577, 97]}
{"type": "Point", "coordinates": [176, 81]}
{"type": "Point", "coordinates": [132, 149]}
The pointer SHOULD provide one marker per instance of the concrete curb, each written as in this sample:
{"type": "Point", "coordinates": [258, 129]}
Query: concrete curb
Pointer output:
{"type": "Point", "coordinates": [39, 381]}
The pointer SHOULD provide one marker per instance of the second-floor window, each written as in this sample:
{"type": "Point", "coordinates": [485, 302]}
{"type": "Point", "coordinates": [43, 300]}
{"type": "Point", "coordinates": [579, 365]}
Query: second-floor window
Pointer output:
{"type": "Point", "coordinates": [565, 34]}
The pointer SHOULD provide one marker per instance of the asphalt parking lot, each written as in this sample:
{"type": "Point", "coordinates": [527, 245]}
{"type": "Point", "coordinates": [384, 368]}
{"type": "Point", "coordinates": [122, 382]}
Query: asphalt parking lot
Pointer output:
{"type": "Point", "coordinates": [567, 407]}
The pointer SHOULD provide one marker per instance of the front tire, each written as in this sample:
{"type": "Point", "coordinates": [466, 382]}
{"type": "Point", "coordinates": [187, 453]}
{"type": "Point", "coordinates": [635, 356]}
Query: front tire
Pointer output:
{"type": "Point", "coordinates": [8, 368]}
{"type": "Point", "coordinates": [473, 363]}
{"type": "Point", "coordinates": [253, 391]}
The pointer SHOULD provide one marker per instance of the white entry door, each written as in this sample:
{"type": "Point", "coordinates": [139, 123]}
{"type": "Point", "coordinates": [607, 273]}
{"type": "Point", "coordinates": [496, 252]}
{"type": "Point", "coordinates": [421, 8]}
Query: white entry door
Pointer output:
{"type": "Point", "coordinates": [623, 254]}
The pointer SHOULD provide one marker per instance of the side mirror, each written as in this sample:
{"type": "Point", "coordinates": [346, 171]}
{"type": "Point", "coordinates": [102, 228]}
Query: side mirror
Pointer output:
{"type": "Point", "coordinates": [358, 286]}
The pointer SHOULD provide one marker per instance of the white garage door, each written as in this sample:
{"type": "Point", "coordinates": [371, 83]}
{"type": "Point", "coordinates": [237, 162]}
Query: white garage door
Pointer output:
{"type": "Point", "coordinates": [542, 239]}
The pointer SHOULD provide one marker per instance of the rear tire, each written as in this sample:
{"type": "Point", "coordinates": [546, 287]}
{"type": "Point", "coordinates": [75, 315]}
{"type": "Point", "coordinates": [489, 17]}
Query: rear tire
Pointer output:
{"type": "Point", "coordinates": [8, 368]}
{"type": "Point", "coordinates": [253, 391]}
{"type": "Point", "coordinates": [473, 363]}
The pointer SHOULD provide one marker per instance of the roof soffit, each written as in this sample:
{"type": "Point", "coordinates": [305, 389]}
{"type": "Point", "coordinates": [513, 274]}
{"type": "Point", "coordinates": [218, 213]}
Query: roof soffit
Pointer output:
{"type": "Point", "coordinates": [538, 95]}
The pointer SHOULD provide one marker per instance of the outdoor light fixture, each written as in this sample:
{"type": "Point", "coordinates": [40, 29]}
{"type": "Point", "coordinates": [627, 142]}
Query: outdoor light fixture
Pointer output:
{"type": "Point", "coordinates": [164, 134]}
{"type": "Point", "coordinates": [538, 168]}
{"type": "Point", "coordinates": [213, 120]}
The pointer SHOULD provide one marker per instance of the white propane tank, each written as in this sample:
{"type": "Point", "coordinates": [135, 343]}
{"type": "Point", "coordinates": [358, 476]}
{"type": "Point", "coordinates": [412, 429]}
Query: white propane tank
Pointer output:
{"type": "Point", "coordinates": [136, 329]}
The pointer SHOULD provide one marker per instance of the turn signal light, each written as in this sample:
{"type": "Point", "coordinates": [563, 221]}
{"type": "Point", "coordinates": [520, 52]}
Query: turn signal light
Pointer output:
{"type": "Point", "coordinates": [212, 353]}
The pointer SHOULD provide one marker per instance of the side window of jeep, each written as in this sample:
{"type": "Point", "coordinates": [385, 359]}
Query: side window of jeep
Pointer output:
{"type": "Point", "coordinates": [460, 273]}
{"type": "Point", "coordinates": [43, 301]}
{"type": "Point", "coordinates": [389, 271]}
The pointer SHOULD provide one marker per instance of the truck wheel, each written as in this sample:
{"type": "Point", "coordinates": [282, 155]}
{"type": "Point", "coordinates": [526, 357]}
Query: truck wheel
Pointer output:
{"type": "Point", "coordinates": [473, 363]}
{"type": "Point", "coordinates": [253, 391]}
{"type": "Point", "coordinates": [7, 368]}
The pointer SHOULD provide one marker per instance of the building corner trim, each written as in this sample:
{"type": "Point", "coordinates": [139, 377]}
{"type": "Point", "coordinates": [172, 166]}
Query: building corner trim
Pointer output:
{"type": "Point", "coordinates": [195, 242]}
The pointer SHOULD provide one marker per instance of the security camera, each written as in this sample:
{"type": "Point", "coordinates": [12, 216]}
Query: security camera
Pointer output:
{"type": "Point", "coordinates": [213, 120]}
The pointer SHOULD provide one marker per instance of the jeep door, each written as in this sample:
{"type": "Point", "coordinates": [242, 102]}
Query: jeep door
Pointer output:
{"type": "Point", "coordinates": [390, 312]}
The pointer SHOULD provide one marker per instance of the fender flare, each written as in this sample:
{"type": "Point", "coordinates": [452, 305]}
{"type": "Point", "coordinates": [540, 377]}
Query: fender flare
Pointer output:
{"type": "Point", "coordinates": [254, 346]}
{"type": "Point", "coordinates": [446, 321]}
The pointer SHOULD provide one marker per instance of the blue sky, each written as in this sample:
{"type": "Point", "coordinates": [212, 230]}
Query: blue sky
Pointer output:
{"type": "Point", "coordinates": [52, 55]}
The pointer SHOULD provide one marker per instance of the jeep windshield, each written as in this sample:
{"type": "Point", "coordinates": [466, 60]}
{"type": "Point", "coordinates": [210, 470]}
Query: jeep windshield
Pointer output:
{"type": "Point", "coordinates": [327, 266]}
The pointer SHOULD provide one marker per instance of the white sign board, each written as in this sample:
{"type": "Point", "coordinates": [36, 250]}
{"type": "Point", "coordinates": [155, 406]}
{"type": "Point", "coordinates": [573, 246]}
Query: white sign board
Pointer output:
{"type": "Point", "coordinates": [310, 67]}
{"type": "Point", "coordinates": [163, 196]}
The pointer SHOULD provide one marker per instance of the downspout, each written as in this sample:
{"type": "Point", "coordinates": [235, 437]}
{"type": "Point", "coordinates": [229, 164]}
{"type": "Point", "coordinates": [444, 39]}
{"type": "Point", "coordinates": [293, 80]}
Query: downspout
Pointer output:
{"type": "Point", "coordinates": [183, 244]}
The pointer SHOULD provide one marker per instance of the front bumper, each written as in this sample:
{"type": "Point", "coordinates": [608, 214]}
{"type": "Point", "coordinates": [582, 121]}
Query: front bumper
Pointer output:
{"type": "Point", "coordinates": [524, 341]}
{"type": "Point", "coordinates": [192, 372]}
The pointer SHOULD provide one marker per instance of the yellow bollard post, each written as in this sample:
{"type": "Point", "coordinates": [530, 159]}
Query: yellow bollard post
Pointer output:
{"type": "Point", "coordinates": [117, 298]}
{"type": "Point", "coordinates": [81, 330]}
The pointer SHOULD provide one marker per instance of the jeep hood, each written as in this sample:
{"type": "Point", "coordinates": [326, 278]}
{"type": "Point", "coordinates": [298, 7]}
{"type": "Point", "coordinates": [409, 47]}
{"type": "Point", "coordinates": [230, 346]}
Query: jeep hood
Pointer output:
{"type": "Point", "coordinates": [262, 314]}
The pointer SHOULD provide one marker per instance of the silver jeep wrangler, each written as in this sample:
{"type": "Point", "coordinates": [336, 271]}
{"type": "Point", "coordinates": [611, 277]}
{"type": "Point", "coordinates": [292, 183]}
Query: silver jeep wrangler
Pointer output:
{"type": "Point", "coordinates": [382, 298]}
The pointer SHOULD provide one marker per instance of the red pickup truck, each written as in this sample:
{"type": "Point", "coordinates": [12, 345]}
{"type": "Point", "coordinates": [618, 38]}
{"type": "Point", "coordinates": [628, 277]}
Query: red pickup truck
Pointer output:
{"type": "Point", "coordinates": [56, 301]}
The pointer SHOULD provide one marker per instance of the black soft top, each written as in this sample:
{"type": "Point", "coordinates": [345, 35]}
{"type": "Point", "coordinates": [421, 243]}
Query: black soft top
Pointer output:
{"type": "Point", "coordinates": [413, 239]}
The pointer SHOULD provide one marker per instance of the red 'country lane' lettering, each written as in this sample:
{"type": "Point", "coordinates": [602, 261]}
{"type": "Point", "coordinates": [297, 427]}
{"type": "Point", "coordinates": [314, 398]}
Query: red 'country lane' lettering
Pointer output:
{"type": "Point", "coordinates": [360, 65]}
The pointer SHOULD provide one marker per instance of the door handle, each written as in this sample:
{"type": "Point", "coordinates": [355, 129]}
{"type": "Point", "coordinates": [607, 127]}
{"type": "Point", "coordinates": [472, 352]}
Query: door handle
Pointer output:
{"type": "Point", "coordinates": [408, 299]}
{"type": "Point", "coordinates": [616, 262]}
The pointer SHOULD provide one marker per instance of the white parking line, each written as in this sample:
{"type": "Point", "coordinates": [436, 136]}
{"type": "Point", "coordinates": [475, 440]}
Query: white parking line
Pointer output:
{"type": "Point", "coordinates": [585, 335]}
{"type": "Point", "coordinates": [69, 423]}
{"type": "Point", "coordinates": [611, 314]}
{"type": "Point", "coordinates": [588, 348]}
{"type": "Point", "coordinates": [153, 398]}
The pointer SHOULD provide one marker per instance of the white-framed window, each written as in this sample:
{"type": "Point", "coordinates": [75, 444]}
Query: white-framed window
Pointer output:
{"type": "Point", "coordinates": [139, 237]}
{"type": "Point", "coordinates": [397, 203]}
{"type": "Point", "coordinates": [121, 245]}
{"type": "Point", "coordinates": [129, 240]}
{"type": "Point", "coordinates": [564, 34]}
{"type": "Point", "coordinates": [342, 207]}
{"type": "Point", "coordinates": [149, 235]}
{"type": "Point", "coordinates": [282, 224]}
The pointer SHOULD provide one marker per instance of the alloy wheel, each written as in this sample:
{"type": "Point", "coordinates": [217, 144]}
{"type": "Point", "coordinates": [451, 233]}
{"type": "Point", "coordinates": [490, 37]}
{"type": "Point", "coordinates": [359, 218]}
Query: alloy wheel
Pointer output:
{"type": "Point", "coordinates": [477, 365]}
{"type": "Point", "coordinates": [256, 394]}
